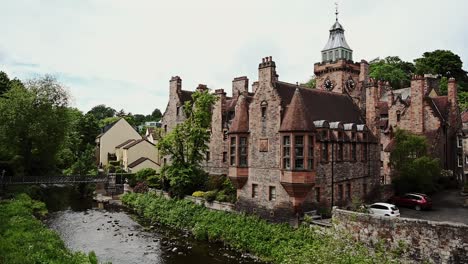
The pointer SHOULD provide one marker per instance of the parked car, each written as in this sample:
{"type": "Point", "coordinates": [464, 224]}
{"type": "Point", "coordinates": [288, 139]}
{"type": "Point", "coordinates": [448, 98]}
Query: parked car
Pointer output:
{"type": "Point", "coordinates": [417, 201]}
{"type": "Point", "coordinates": [384, 209]}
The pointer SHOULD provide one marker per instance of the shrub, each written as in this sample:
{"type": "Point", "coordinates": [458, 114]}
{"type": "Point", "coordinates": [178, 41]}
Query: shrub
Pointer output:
{"type": "Point", "coordinates": [144, 174]}
{"type": "Point", "coordinates": [119, 170]}
{"type": "Point", "coordinates": [198, 194]}
{"type": "Point", "coordinates": [141, 187]}
{"type": "Point", "coordinates": [115, 163]}
{"type": "Point", "coordinates": [221, 197]}
{"type": "Point", "coordinates": [154, 181]}
{"type": "Point", "coordinates": [210, 196]}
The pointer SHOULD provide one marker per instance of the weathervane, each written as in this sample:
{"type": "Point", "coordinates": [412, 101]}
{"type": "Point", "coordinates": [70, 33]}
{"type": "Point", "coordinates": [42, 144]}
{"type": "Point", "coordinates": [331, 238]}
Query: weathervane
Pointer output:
{"type": "Point", "coordinates": [336, 11]}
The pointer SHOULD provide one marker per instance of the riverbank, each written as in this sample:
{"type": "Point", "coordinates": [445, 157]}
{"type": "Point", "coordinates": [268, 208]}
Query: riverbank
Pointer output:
{"type": "Point", "coordinates": [25, 239]}
{"type": "Point", "coordinates": [278, 243]}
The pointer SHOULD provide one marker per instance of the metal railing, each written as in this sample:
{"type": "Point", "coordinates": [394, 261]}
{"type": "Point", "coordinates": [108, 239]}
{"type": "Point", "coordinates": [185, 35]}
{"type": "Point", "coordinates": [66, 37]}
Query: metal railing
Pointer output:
{"type": "Point", "coordinates": [18, 180]}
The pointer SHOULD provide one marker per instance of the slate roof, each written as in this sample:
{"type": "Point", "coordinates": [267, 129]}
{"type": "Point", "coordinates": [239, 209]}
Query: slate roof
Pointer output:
{"type": "Point", "coordinates": [296, 116]}
{"type": "Point", "coordinates": [185, 96]}
{"type": "Point", "coordinates": [322, 105]}
{"type": "Point", "coordinates": [136, 142]}
{"type": "Point", "coordinates": [139, 161]}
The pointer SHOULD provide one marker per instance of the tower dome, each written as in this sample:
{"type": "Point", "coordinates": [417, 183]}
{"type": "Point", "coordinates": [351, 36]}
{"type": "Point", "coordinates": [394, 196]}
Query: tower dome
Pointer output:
{"type": "Point", "coordinates": [336, 47]}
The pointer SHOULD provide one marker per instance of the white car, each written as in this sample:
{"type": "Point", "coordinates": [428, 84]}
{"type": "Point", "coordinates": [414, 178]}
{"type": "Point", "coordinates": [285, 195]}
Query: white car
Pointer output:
{"type": "Point", "coordinates": [384, 209]}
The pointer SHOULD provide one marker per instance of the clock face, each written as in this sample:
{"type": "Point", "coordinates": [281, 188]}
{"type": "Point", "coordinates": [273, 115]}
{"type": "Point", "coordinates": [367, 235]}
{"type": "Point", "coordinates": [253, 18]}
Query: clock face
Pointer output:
{"type": "Point", "coordinates": [328, 84]}
{"type": "Point", "coordinates": [350, 85]}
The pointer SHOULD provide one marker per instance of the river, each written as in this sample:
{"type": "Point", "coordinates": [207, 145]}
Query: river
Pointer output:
{"type": "Point", "coordinates": [118, 236]}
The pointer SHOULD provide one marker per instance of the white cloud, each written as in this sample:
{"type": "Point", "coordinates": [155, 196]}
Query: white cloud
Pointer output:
{"type": "Point", "coordinates": [123, 53]}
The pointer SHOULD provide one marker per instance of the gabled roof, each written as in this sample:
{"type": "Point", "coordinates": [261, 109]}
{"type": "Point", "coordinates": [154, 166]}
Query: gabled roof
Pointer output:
{"type": "Point", "coordinates": [124, 143]}
{"type": "Point", "coordinates": [322, 105]}
{"type": "Point", "coordinates": [295, 118]}
{"type": "Point", "coordinates": [442, 104]}
{"type": "Point", "coordinates": [136, 142]}
{"type": "Point", "coordinates": [139, 161]}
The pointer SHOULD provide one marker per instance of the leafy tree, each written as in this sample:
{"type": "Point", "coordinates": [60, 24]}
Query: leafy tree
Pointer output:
{"type": "Point", "coordinates": [4, 82]}
{"type": "Point", "coordinates": [156, 115]}
{"type": "Point", "coordinates": [33, 123]}
{"type": "Point", "coordinates": [443, 63]}
{"type": "Point", "coordinates": [121, 113]}
{"type": "Point", "coordinates": [414, 169]}
{"type": "Point", "coordinates": [139, 119]}
{"type": "Point", "coordinates": [393, 70]}
{"type": "Point", "coordinates": [186, 144]}
{"type": "Point", "coordinates": [311, 83]}
{"type": "Point", "coordinates": [102, 111]}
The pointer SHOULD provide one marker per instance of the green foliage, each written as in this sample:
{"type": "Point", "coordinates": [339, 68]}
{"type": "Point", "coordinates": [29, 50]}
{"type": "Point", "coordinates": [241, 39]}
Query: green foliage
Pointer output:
{"type": "Point", "coordinates": [187, 144]}
{"type": "Point", "coordinates": [414, 169]}
{"type": "Point", "coordinates": [198, 194]}
{"type": "Point", "coordinates": [156, 115]}
{"type": "Point", "coordinates": [24, 239]}
{"type": "Point", "coordinates": [312, 83]}
{"type": "Point", "coordinates": [393, 70]}
{"type": "Point", "coordinates": [144, 174]}
{"type": "Point", "coordinates": [277, 243]}
{"type": "Point", "coordinates": [33, 123]}
{"type": "Point", "coordinates": [141, 187]}
{"type": "Point", "coordinates": [102, 111]}
{"type": "Point", "coordinates": [210, 196]}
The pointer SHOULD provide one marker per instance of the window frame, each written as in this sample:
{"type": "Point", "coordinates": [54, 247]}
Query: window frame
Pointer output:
{"type": "Point", "coordinates": [286, 149]}
{"type": "Point", "coordinates": [232, 151]}
{"type": "Point", "coordinates": [272, 193]}
{"type": "Point", "coordinates": [296, 156]}
{"type": "Point", "coordinates": [243, 156]}
{"type": "Point", "coordinates": [254, 190]}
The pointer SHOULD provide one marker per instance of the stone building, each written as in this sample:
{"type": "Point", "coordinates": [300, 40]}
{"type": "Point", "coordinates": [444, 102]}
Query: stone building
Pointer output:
{"type": "Point", "coordinates": [463, 141]}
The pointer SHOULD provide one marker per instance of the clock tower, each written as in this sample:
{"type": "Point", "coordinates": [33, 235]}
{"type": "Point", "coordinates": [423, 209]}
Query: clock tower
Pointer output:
{"type": "Point", "coordinates": [337, 72]}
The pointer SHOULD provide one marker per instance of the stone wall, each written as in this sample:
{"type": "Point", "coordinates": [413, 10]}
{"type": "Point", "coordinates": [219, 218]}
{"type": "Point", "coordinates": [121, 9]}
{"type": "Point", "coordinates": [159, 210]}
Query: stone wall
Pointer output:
{"type": "Point", "coordinates": [438, 242]}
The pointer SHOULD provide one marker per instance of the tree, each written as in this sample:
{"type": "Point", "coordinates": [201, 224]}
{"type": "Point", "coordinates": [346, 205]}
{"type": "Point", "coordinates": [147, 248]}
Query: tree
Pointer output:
{"type": "Point", "coordinates": [413, 168]}
{"type": "Point", "coordinates": [311, 83]}
{"type": "Point", "coordinates": [4, 82]}
{"type": "Point", "coordinates": [393, 70]}
{"type": "Point", "coordinates": [444, 63]}
{"type": "Point", "coordinates": [139, 119]}
{"type": "Point", "coordinates": [33, 123]}
{"type": "Point", "coordinates": [156, 115]}
{"type": "Point", "coordinates": [102, 111]}
{"type": "Point", "coordinates": [186, 144]}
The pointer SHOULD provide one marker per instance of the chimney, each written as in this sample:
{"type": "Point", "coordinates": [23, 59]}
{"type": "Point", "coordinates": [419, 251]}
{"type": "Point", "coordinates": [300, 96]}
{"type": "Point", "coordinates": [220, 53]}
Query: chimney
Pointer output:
{"type": "Point", "coordinates": [390, 99]}
{"type": "Point", "coordinates": [417, 103]}
{"type": "Point", "coordinates": [202, 87]}
{"type": "Point", "coordinates": [364, 71]}
{"type": "Point", "coordinates": [372, 107]}
{"type": "Point", "coordinates": [267, 71]}
{"type": "Point", "coordinates": [175, 85]}
{"type": "Point", "coordinates": [452, 94]}
{"type": "Point", "coordinates": [254, 87]}
{"type": "Point", "coordinates": [240, 85]}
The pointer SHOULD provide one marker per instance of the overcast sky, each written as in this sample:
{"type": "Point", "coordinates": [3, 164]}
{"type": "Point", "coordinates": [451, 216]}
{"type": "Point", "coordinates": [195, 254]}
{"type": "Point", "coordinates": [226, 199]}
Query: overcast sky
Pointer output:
{"type": "Point", "coordinates": [123, 53]}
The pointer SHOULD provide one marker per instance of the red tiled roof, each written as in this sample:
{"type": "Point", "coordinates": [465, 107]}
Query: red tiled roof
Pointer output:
{"type": "Point", "coordinates": [240, 123]}
{"type": "Point", "coordinates": [139, 161]}
{"type": "Point", "coordinates": [322, 105]}
{"type": "Point", "coordinates": [295, 118]}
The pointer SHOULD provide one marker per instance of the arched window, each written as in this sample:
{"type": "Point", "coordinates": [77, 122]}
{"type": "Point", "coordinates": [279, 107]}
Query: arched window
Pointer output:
{"type": "Point", "coordinates": [263, 106]}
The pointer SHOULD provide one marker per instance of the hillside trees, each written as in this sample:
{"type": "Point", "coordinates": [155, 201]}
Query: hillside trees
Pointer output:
{"type": "Point", "coordinates": [186, 144]}
{"type": "Point", "coordinates": [393, 70]}
{"type": "Point", "coordinates": [33, 124]}
{"type": "Point", "coordinates": [414, 169]}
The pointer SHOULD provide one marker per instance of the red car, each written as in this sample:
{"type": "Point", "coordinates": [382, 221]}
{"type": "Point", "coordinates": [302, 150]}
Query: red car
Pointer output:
{"type": "Point", "coordinates": [417, 201]}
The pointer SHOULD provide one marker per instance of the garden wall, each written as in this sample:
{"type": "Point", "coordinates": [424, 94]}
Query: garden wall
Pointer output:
{"type": "Point", "coordinates": [438, 242]}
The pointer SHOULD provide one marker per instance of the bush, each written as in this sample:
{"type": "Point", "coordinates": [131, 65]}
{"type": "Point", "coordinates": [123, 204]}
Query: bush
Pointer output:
{"type": "Point", "coordinates": [221, 197]}
{"type": "Point", "coordinates": [144, 174]}
{"type": "Point", "coordinates": [141, 187]}
{"type": "Point", "coordinates": [115, 163]}
{"type": "Point", "coordinates": [210, 196]}
{"type": "Point", "coordinates": [154, 181]}
{"type": "Point", "coordinates": [198, 194]}
{"type": "Point", "coordinates": [277, 243]}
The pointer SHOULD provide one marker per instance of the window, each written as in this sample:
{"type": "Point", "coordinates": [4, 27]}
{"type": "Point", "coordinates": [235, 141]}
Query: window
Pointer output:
{"type": "Point", "coordinates": [364, 188]}
{"type": "Point", "coordinates": [254, 190]}
{"type": "Point", "coordinates": [459, 142]}
{"type": "Point", "coordinates": [177, 110]}
{"type": "Point", "coordinates": [233, 152]}
{"type": "Point", "coordinates": [165, 128]}
{"type": "Point", "coordinates": [317, 194]}
{"type": "Point", "coordinates": [224, 156]}
{"type": "Point", "coordinates": [286, 152]}
{"type": "Point", "coordinates": [264, 110]}
{"type": "Point", "coordinates": [348, 191]}
{"type": "Point", "coordinates": [353, 151]}
{"type": "Point", "coordinates": [466, 159]}
{"type": "Point", "coordinates": [243, 152]}
{"type": "Point", "coordinates": [272, 193]}
{"type": "Point", "coordinates": [340, 192]}
{"type": "Point", "coordinates": [207, 156]}
{"type": "Point", "coordinates": [164, 161]}
{"type": "Point", "coordinates": [340, 151]}
{"type": "Point", "coordinates": [398, 116]}
{"type": "Point", "coordinates": [310, 154]}
{"type": "Point", "coordinates": [299, 152]}
{"type": "Point", "coordinates": [460, 160]}
{"type": "Point", "coordinates": [324, 151]}
{"type": "Point", "coordinates": [324, 135]}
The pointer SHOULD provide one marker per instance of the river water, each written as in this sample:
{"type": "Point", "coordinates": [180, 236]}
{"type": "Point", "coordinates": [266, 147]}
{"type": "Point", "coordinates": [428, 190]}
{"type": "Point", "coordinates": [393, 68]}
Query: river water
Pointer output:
{"type": "Point", "coordinates": [118, 236]}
